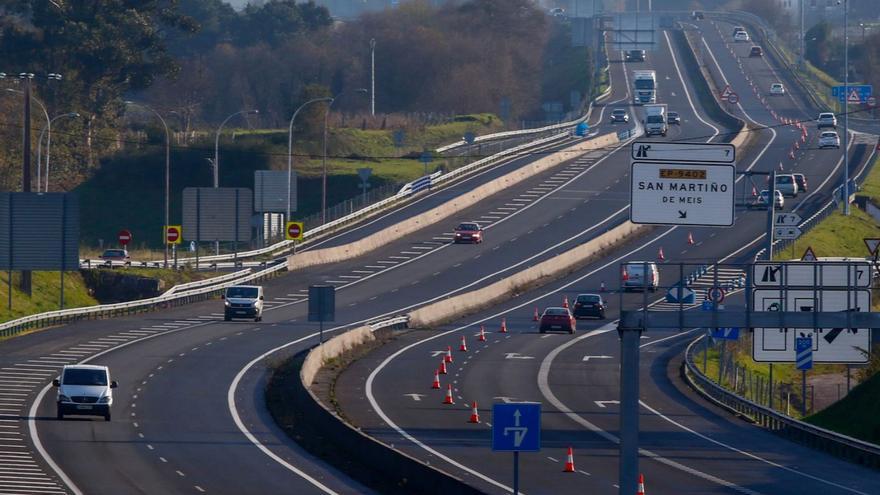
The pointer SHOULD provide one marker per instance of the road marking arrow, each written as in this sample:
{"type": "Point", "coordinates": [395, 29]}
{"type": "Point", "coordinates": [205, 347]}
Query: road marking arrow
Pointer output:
{"type": "Point", "coordinates": [415, 397]}
{"type": "Point", "coordinates": [587, 358]}
{"type": "Point", "coordinates": [437, 353]}
{"type": "Point", "coordinates": [506, 400]}
{"type": "Point", "coordinates": [601, 403]}
{"type": "Point", "coordinates": [516, 355]}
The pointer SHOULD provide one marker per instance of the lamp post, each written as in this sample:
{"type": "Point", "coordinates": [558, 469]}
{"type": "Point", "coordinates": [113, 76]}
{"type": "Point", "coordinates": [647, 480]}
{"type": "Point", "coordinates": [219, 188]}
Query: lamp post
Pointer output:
{"type": "Point", "coordinates": [372, 77]}
{"type": "Point", "coordinates": [48, 147]}
{"type": "Point", "coordinates": [167, 175]}
{"type": "Point", "coordinates": [290, 148]}
{"type": "Point", "coordinates": [217, 143]}
{"type": "Point", "coordinates": [845, 107]}
{"type": "Point", "coordinates": [324, 155]}
{"type": "Point", "coordinates": [39, 141]}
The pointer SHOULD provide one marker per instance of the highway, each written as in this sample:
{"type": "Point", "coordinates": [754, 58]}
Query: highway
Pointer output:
{"type": "Point", "coordinates": [689, 447]}
{"type": "Point", "coordinates": [189, 415]}
{"type": "Point", "coordinates": [178, 417]}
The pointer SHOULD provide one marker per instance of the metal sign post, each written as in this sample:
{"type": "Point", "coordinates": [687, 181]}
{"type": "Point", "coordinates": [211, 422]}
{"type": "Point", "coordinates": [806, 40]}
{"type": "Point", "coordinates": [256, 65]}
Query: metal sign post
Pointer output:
{"type": "Point", "coordinates": [516, 427]}
{"type": "Point", "coordinates": [322, 306]}
{"type": "Point", "coordinates": [629, 409]}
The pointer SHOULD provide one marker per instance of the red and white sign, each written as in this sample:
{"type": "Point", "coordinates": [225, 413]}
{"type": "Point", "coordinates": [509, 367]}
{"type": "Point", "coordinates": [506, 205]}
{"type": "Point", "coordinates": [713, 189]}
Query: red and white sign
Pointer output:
{"type": "Point", "coordinates": [294, 231]}
{"type": "Point", "coordinates": [726, 92]}
{"type": "Point", "coordinates": [809, 255]}
{"type": "Point", "coordinates": [715, 294]}
{"type": "Point", "coordinates": [733, 98]}
{"type": "Point", "coordinates": [173, 234]}
{"type": "Point", "coordinates": [124, 237]}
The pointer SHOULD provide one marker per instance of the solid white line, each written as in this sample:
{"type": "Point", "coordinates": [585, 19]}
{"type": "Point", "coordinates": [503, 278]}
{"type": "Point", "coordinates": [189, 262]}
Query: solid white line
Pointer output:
{"type": "Point", "coordinates": [683, 85]}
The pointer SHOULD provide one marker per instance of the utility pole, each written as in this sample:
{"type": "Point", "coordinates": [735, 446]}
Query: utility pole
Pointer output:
{"type": "Point", "coordinates": [845, 107]}
{"type": "Point", "coordinates": [25, 284]}
{"type": "Point", "coordinates": [372, 77]}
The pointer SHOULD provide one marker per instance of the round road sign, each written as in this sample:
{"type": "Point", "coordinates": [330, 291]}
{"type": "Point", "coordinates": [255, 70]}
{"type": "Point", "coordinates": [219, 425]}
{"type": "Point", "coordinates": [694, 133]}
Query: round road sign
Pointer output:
{"type": "Point", "coordinates": [715, 294]}
{"type": "Point", "coordinates": [172, 235]}
{"type": "Point", "coordinates": [293, 230]}
{"type": "Point", "coordinates": [124, 237]}
{"type": "Point", "coordinates": [733, 98]}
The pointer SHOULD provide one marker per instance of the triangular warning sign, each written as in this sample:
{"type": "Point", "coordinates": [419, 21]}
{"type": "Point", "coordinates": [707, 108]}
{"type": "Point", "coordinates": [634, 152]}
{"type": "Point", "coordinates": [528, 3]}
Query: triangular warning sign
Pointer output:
{"type": "Point", "coordinates": [853, 96]}
{"type": "Point", "coordinates": [809, 255]}
{"type": "Point", "coordinates": [872, 244]}
{"type": "Point", "coordinates": [726, 92]}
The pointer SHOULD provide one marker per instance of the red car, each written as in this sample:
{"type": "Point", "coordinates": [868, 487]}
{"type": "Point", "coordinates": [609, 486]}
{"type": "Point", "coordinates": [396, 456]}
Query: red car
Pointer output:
{"type": "Point", "coordinates": [469, 232]}
{"type": "Point", "coordinates": [557, 319]}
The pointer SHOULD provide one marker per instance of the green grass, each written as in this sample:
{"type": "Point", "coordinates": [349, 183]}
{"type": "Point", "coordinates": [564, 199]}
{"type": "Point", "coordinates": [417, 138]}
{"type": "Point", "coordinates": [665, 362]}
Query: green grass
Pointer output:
{"type": "Point", "coordinates": [45, 294]}
{"type": "Point", "coordinates": [837, 235]}
{"type": "Point", "coordinates": [856, 414]}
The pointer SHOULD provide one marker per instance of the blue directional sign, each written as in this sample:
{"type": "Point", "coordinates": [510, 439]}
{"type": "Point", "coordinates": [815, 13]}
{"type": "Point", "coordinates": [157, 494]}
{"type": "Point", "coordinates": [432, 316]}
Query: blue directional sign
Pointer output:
{"type": "Point", "coordinates": [581, 129]}
{"type": "Point", "coordinates": [706, 306]}
{"type": "Point", "coordinates": [855, 93]}
{"type": "Point", "coordinates": [803, 347]}
{"type": "Point", "coordinates": [516, 427]}
{"type": "Point", "coordinates": [679, 294]}
{"type": "Point", "coordinates": [726, 333]}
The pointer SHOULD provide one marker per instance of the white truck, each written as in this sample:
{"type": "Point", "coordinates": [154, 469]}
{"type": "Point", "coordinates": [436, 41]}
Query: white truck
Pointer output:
{"type": "Point", "coordinates": [655, 120]}
{"type": "Point", "coordinates": [644, 87]}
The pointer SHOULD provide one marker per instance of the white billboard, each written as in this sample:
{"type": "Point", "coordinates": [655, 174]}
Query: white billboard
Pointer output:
{"type": "Point", "coordinates": [682, 194]}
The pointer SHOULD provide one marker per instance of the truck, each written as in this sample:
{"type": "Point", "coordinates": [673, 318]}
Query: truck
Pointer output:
{"type": "Point", "coordinates": [644, 87]}
{"type": "Point", "coordinates": [655, 120]}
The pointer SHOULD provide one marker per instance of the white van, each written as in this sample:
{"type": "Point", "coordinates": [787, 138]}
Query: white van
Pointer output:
{"type": "Point", "coordinates": [84, 389]}
{"type": "Point", "coordinates": [635, 278]}
{"type": "Point", "coordinates": [243, 301]}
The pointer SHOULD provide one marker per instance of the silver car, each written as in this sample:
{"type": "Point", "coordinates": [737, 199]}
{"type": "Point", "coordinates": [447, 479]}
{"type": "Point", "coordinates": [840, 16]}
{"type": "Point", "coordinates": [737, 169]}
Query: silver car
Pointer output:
{"type": "Point", "coordinates": [826, 119]}
{"type": "Point", "coordinates": [829, 139]}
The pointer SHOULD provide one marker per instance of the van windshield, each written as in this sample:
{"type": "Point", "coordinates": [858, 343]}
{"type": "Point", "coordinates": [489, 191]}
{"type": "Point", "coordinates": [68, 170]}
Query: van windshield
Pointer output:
{"type": "Point", "coordinates": [244, 292]}
{"type": "Point", "coordinates": [85, 377]}
{"type": "Point", "coordinates": [655, 119]}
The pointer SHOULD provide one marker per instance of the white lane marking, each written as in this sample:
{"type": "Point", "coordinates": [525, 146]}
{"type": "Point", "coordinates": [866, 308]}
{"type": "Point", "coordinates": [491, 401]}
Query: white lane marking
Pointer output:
{"type": "Point", "coordinates": [684, 86]}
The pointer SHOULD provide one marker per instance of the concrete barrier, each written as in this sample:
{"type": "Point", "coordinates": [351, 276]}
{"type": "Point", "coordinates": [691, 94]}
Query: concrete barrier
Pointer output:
{"type": "Point", "coordinates": [456, 307]}
{"type": "Point", "coordinates": [331, 349]}
{"type": "Point", "coordinates": [451, 207]}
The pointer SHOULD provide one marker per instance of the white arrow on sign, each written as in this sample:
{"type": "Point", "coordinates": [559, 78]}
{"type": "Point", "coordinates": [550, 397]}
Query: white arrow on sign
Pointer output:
{"type": "Point", "coordinates": [787, 233]}
{"type": "Point", "coordinates": [785, 219]}
{"type": "Point", "coordinates": [587, 358]}
{"type": "Point", "coordinates": [602, 403]}
{"type": "Point", "coordinates": [516, 355]}
{"type": "Point", "coordinates": [415, 397]}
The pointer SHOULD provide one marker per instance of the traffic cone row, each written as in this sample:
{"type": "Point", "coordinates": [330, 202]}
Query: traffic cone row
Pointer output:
{"type": "Point", "coordinates": [448, 354]}
{"type": "Point", "coordinates": [536, 317]}
{"type": "Point", "coordinates": [448, 398]}
{"type": "Point", "coordinates": [463, 346]}
{"type": "Point", "coordinates": [442, 368]}
{"type": "Point", "coordinates": [475, 414]}
{"type": "Point", "coordinates": [660, 255]}
{"type": "Point", "coordinates": [565, 302]}
{"type": "Point", "coordinates": [503, 326]}
{"type": "Point", "coordinates": [641, 488]}
{"type": "Point", "coordinates": [436, 384]}
{"type": "Point", "coordinates": [482, 333]}
{"type": "Point", "coordinates": [569, 462]}
{"type": "Point", "coordinates": [690, 239]}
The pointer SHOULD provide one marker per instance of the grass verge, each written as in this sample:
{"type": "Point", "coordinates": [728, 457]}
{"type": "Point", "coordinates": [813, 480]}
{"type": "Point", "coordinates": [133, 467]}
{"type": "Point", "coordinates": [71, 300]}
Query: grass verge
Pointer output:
{"type": "Point", "coordinates": [856, 414]}
{"type": "Point", "coordinates": [46, 294]}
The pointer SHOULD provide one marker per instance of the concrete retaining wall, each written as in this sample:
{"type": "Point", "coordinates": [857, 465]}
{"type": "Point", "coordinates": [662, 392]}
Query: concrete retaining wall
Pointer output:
{"type": "Point", "coordinates": [451, 207]}
{"type": "Point", "coordinates": [457, 306]}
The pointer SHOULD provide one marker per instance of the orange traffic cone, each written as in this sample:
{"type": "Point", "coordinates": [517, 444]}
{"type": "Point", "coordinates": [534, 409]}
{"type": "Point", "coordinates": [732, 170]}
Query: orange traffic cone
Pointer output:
{"type": "Point", "coordinates": [448, 354]}
{"type": "Point", "coordinates": [463, 346]}
{"type": "Point", "coordinates": [503, 325]}
{"type": "Point", "coordinates": [536, 317]}
{"type": "Point", "coordinates": [791, 154]}
{"type": "Point", "coordinates": [797, 145]}
{"type": "Point", "coordinates": [690, 238]}
{"type": "Point", "coordinates": [482, 333]}
{"type": "Point", "coordinates": [660, 255]}
{"type": "Point", "coordinates": [569, 462]}
{"type": "Point", "coordinates": [565, 301]}
{"type": "Point", "coordinates": [475, 415]}
{"type": "Point", "coordinates": [641, 487]}
{"type": "Point", "coordinates": [754, 191]}
{"type": "Point", "coordinates": [436, 384]}
{"type": "Point", "coordinates": [781, 169]}
{"type": "Point", "coordinates": [448, 399]}
{"type": "Point", "coordinates": [442, 368]}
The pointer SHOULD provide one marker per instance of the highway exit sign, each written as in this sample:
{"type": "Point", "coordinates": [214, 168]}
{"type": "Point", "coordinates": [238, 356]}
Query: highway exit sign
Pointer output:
{"type": "Point", "coordinates": [670, 193]}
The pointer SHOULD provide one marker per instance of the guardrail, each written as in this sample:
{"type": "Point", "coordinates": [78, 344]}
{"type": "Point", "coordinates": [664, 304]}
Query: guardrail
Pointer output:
{"type": "Point", "coordinates": [210, 281]}
{"type": "Point", "coordinates": [107, 310]}
{"type": "Point", "coordinates": [813, 436]}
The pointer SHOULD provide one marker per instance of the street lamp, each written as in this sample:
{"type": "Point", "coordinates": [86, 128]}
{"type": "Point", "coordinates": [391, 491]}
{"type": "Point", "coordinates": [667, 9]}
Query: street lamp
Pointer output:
{"type": "Point", "coordinates": [324, 155]}
{"type": "Point", "coordinates": [845, 106]}
{"type": "Point", "coordinates": [40, 141]}
{"type": "Point", "coordinates": [290, 148]}
{"type": "Point", "coordinates": [217, 143]}
{"type": "Point", "coordinates": [167, 174]}
{"type": "Point", "coordinates": [372, 77]}
{"type": "Point", "coordinates": [48, 147]}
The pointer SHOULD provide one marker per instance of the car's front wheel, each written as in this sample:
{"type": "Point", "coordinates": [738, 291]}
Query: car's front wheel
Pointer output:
{"type": "Point", "coordinates": [107, 416]}
{"type": "Point", "coordinates": [60, 414]}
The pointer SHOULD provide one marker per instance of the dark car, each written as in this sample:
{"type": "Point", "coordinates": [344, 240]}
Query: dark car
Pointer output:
{"type": "Point", "coordinates": [469, 232]}
{"type": "Point", "coordinates": [801, 181]}
{"type": "Point", "coordinates": [589, 305]}
{"type": "Point", "coordinates": [115, 255]}
{"type": "Point", "coordinates": [619, 115]}
{"type": "Point", "coordinates": [698, 15]}
{"type": "Point", "coordinates": [634, 56]}
{"type": "Point", "coordinates": [756, 51]}
{"type": "Point", "coordinates": [673, 118]}
{"type": "Point", "coordinates": [557, 319]}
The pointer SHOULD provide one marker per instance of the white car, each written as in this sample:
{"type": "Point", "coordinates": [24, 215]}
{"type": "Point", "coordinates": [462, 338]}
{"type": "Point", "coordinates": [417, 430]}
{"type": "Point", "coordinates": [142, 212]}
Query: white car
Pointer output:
{"type": "Point", "coordinates": [777, 89]}
{"type": "Point", "coordinates": [741, 36]}
{"type": "Point", "coordinates": [829, 139]}
{"type": "Point", "coordinates": [761, 200]}
{"type": "Point", "coordinates": [84, 389]}
{"type": "Point", "coordinates": [826, 119]}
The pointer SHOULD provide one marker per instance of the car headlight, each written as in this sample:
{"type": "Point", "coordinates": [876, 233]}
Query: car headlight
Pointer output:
{"type": "Point", "coordinates": [254, 304]}
{"type": "Point", "coordinates": [105, 400]}
{"type": "Point", "coordinates": [63, 398]}
{"type": "Point", "coordinates": [226, 303]}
